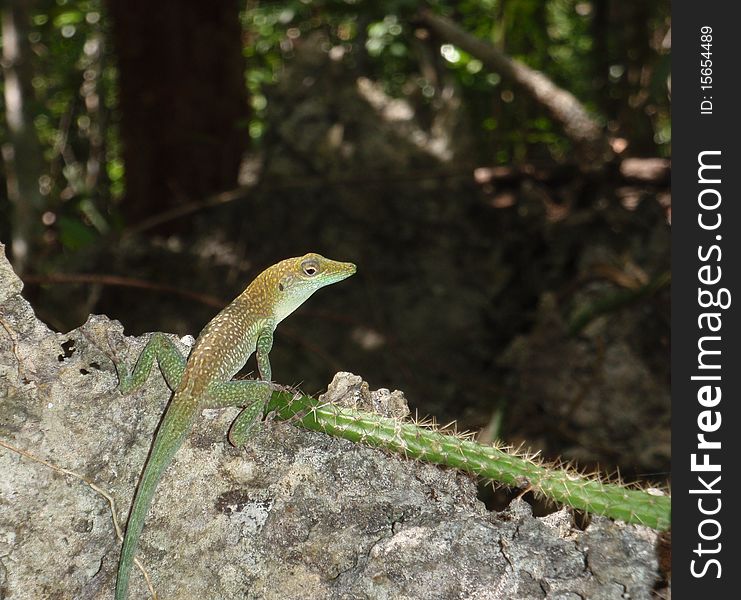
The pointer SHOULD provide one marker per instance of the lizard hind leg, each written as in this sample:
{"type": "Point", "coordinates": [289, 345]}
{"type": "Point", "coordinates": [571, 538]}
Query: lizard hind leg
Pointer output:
{"type": "Point", "coordinates": [253, 395]}
{"type": "Point", "coordinates": [246, 423]}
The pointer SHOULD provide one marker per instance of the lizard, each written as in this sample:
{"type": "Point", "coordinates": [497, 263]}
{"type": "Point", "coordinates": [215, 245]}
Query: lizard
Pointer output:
{"type": "Point", "coordinates": [204, 380]}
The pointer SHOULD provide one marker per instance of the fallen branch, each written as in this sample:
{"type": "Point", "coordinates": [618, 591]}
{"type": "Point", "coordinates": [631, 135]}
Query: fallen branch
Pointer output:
{"type": "Point", "coordinates": [563, 106]}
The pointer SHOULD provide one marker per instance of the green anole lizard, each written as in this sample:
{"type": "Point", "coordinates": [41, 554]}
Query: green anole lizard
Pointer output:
{"type": "Point", "coordinates": [205, 380]}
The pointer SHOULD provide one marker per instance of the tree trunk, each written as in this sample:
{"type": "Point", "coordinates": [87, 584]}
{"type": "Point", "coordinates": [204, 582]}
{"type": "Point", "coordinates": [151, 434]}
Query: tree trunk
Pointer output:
{"type": "Point", "coordinates": [183, 100]}
{"type": "Point", "coordinates": [22, 152]}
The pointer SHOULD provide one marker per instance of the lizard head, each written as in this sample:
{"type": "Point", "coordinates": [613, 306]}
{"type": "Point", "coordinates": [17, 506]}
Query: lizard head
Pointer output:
{"type": "Point", "coordinates": [295, 279]}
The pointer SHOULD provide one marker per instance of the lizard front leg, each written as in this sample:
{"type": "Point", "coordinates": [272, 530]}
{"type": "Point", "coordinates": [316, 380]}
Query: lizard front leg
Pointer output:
{"type": "Point", "coordinates": [252, 395]}
{"type": "Point", "coordinates": [262, 353]}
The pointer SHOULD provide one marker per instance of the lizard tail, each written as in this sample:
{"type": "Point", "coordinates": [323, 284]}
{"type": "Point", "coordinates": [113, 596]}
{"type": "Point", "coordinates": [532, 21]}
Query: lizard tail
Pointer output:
{"type": "Point", "coordinates": [172, 430]}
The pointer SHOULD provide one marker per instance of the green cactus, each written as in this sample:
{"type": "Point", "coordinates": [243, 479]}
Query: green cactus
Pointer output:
{"type": "Point", "coordinates": [490, 462]}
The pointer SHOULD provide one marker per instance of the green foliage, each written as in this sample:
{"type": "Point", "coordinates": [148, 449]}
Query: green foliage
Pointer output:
{"type": "Point", "coordinates": [620, 73]}
{"type": "Point", "coordinates": [73, 234]}
{"type": "Point", "coordinates": [73, 106]}
{"type": "Point", "coordinates": [382, 39]}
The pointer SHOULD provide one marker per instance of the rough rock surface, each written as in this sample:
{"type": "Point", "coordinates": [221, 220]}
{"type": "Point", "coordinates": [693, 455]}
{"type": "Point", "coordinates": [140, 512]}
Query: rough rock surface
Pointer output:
{"type": "Point", "coordinates": [295, 515]}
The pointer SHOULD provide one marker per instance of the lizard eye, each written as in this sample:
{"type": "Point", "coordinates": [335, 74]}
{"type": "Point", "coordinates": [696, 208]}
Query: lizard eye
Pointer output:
{"type": "Point", "coordinates": [310, 268]}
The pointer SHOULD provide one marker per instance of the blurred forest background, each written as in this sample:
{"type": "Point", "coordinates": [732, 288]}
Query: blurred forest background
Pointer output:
{"type": "Point", "coordinates": [498, 170]}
